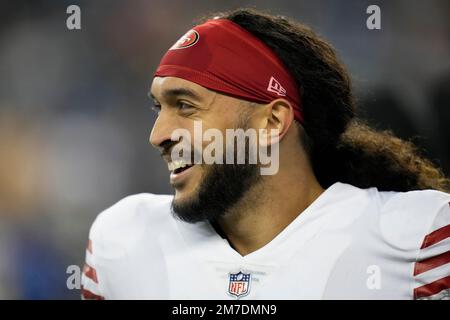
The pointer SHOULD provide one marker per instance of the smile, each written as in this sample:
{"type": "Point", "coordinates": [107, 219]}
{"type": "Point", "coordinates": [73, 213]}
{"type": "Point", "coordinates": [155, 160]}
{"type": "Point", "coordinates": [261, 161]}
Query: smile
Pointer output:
{"type": "Point", "coordinates": [178, 166]}
{"type": "Point", "coordinates": [179, 170]}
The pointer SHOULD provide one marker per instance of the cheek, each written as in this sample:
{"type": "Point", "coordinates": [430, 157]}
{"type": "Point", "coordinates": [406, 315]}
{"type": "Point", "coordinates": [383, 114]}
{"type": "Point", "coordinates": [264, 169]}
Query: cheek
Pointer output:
{"type": "Point", "coordinates": [201, 172]}
{"type": "Point", "coordinates": [221, 118]}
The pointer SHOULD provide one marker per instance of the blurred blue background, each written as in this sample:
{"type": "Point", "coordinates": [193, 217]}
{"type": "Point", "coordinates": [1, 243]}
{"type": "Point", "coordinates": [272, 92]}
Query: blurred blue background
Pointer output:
{"type": "Point", "coordinates": [75, 117]}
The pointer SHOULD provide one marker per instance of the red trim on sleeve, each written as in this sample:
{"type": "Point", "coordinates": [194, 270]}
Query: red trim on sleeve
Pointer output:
{"type": "Point", "coordinates": [89, 246]}
{"type": "Point", "coordinates": [431, 263]}
{"type": "Point", "coordinates": [436, 236]}
{"type": "Point", "coordinates": [432, 288]}
{"type": "Point", "coordinates": [88, 295]}
{"type": "Point", "coordinates": [90, 273]}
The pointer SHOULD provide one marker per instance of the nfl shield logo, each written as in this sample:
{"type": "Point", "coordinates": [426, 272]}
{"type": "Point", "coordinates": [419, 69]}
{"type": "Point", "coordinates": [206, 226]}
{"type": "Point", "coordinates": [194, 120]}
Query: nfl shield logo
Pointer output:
{"type": "Point", "coordinates": [239, 284]}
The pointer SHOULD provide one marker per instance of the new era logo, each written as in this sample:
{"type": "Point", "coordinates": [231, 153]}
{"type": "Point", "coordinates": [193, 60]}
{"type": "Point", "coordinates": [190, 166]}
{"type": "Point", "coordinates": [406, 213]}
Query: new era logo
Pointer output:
{"type": "Point", "coordinates": [276, 87]}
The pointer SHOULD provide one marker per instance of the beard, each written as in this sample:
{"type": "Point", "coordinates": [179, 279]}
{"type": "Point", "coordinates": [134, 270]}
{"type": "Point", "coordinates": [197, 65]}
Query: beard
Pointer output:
{"type": "Point", "coordinates": [223, 186]}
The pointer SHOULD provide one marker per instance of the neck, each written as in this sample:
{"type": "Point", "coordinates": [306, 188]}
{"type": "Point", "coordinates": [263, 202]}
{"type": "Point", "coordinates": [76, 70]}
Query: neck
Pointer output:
{"type": "Point", "coordinates": [269, 207]}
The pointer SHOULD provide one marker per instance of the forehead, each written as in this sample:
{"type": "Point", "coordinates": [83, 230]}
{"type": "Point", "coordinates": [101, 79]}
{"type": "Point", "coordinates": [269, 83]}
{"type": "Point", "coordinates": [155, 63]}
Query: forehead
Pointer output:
{"type": "Point", "coordinates": [160, 85]}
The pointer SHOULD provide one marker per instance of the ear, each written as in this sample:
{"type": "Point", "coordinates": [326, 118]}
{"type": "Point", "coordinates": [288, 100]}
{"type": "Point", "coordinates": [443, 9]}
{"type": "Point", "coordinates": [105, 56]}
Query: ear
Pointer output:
{"type": "Point", "coordinates": [279, 116]}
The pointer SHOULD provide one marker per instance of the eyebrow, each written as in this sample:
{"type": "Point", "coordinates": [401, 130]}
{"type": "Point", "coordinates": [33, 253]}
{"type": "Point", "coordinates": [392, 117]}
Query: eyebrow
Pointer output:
{"type": "Point", "coordinates": [176, 92]}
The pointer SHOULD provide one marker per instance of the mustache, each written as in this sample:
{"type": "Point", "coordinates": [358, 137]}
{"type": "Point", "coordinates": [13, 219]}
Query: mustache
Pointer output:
{"type": "Point", "coordinates": [193, 157]}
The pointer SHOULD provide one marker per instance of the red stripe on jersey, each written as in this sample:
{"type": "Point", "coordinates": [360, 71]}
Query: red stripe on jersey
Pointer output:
{"type": "Point", "coordinates": [436, 236]}
{"type": "Point", "coordinates": [89, 246]}
{"type": "Point", "coordinates": [90, 273]}
{"type": "Point", "coordinates": [88, 295]}
{"type": "Point", "coordinates": [432, 288]}
{"type": "Point", "coordinates": [431, 263]}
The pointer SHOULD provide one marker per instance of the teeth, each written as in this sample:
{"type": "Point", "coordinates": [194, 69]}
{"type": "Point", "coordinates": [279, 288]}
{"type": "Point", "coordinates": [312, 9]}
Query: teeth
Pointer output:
{"type": "Point", "coordinates": [174, 165]}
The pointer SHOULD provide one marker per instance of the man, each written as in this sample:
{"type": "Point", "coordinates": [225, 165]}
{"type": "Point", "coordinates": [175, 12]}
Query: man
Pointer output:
{"type": "Point", "coordinates": [341, 218]}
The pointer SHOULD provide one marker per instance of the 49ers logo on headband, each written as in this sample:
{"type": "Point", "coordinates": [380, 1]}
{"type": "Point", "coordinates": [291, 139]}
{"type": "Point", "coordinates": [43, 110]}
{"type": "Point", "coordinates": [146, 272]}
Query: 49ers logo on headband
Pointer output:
{"type": "Point", "coordinates": [188, 40]}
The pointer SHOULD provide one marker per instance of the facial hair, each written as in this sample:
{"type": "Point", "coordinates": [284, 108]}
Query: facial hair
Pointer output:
{"type": "Point", "coordinates": [223, 186]}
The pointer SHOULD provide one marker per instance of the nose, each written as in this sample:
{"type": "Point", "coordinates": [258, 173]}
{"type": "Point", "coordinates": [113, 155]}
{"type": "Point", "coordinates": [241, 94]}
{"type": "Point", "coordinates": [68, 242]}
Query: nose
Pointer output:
{"type": "Point", "coordinates": [162, 130]}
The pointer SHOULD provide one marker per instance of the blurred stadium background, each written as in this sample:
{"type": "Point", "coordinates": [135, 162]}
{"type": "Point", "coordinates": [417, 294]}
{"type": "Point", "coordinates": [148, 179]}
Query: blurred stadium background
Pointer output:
{"type": "Point", "coordinates": [75, 117]}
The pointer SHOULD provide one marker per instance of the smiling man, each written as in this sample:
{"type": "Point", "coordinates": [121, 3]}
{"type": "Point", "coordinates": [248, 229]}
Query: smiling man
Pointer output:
{"type": "Point", "coordinates": [350, 212]}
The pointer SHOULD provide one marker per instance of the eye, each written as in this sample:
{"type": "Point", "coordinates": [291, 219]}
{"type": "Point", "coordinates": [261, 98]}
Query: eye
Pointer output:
{"type": "Point", "coordinates": [184, 106]}
{"type": "Point", "coordinates": [156, 108]}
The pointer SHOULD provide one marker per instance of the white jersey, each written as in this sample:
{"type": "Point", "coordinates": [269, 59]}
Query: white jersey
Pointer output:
{"type": "Point", "coordinates": [350, 243]}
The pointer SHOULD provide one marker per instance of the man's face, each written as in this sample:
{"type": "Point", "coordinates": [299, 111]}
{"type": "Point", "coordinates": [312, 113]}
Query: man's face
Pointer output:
{"type": "Point", "coordinates": [202, 191]}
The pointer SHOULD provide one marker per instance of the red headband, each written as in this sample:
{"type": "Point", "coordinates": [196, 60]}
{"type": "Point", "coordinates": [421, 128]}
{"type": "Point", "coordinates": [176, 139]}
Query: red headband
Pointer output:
{"type": "Point", "coordinates": [222, 56]}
